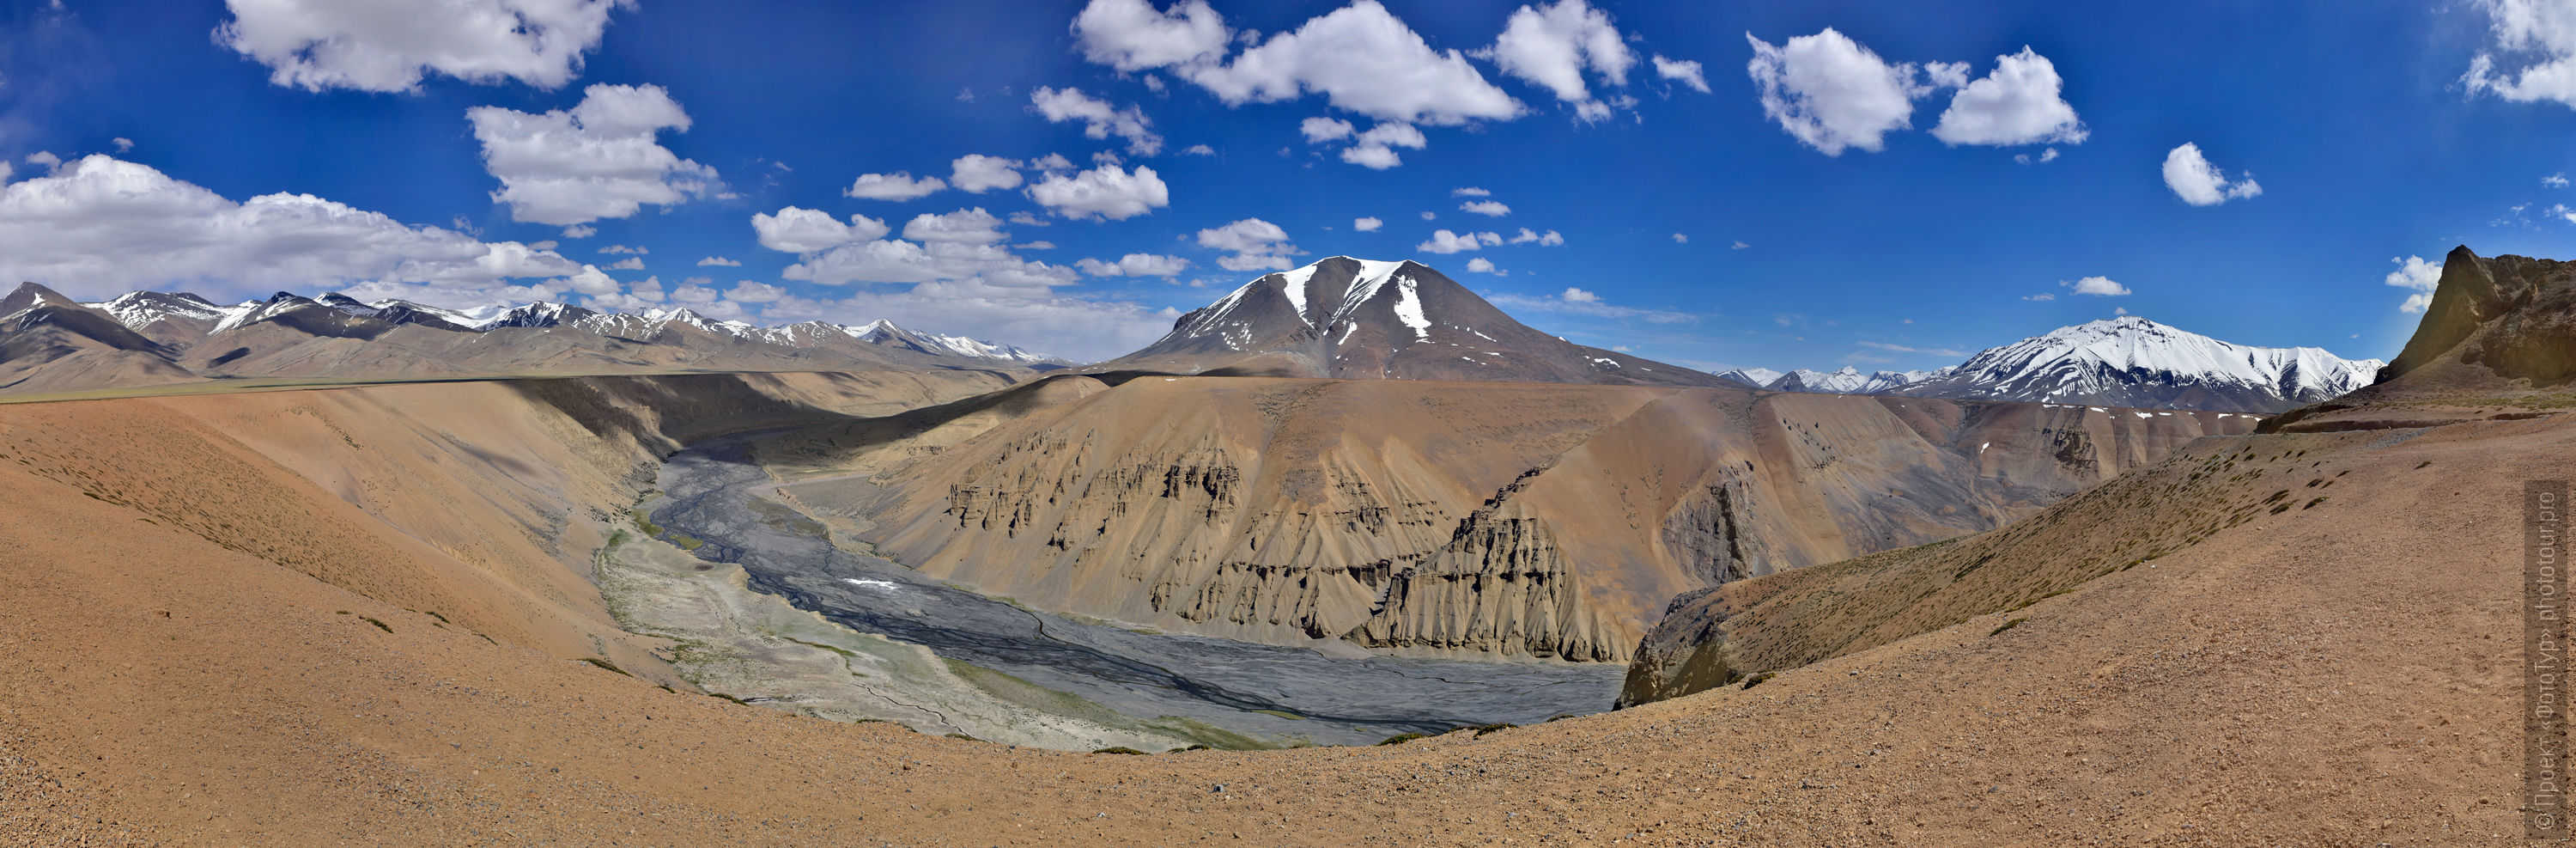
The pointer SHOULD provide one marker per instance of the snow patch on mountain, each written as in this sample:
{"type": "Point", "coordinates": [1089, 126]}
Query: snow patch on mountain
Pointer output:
{"type": "Point", "coordinates": [2128, 361]}
{"type": "Point", "coordinates": [2104, 355]}
{"type": "Point", "coordinates": [1408, 309]}
{"type": "Point", "coordinates": [137, 310]}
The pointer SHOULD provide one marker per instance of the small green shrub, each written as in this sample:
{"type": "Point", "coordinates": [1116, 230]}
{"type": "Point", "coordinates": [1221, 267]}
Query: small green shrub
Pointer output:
{"type": "Point", "coordinates": [1402, 738]}
{"type": "Point", "coordinates": [1120, 750]}
{"type": "Point", "coordinates": [1483, 729]}
{"type": "Point", "coordinates": [2007, 626]}
{"type": "Point", "coordinates": [605, 665]}
{"type": "Point", "coordinates": [379, 625]}
{"type": "Point", "coordinates": [1759, 679]}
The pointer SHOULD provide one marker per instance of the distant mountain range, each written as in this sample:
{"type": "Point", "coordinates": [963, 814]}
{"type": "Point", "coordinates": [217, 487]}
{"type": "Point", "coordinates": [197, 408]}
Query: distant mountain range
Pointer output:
{"type": "Point", "coordinates": [1349, 318]}
{"type": "Point", "coordinates": [1844, 381]}
{"type": "Point", "coordinates": [51, 343]}
{"type": "Point", "coordinates": [1339, 317]}
{"type": "Point", "coordinates": [2128, 361]}
{"type": "Point", "coordinates": [1367, 319]}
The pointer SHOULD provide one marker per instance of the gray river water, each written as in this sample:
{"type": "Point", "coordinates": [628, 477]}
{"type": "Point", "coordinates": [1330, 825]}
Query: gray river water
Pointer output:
{"type": "Point", "coordinates": [1221, 682]}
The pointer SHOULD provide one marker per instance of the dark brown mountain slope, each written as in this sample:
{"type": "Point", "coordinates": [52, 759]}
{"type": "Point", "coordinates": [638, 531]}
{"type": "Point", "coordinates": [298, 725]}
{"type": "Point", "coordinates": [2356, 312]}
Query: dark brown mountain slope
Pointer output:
{"type": "Point", "coordinates": [49, 342]}
{"type": "Point", "coordinates": [1361, 319]}
{"type": "Point", "coordinates": [2497, 341]}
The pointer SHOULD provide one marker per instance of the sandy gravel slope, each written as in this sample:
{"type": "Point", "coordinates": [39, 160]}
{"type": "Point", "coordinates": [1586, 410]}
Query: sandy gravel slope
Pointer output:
{"type": "Point", "coordinates": [2337, 675]}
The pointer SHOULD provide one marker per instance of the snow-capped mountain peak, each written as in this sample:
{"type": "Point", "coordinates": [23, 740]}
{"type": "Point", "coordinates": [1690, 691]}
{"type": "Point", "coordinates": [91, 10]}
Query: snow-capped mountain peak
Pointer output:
{"type": "Point", "coordinates": [2106, 356]}
{"type": "Point", "coordinates": [889, 334]}
{"type": "Point", "coordinates": [1848, 380]}
{"type": "Point", "coordinates": [1757, 377]}
{"type": "Point", "coordinates": [2125, 361]}
{"type": "Point", "coordinates": [137, 310]}
{"type": "Point", "coordinates": [1350, 318]}
{"type": "Point", "coordinates": [1236, 317]}
{"type": "Point", "coordinates": [185, 319]}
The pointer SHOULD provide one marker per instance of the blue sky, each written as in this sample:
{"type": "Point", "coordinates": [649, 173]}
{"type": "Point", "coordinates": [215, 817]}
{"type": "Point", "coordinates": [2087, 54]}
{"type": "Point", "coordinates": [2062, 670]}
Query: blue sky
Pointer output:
{"type": "Point", "coordinates": [436, 172]}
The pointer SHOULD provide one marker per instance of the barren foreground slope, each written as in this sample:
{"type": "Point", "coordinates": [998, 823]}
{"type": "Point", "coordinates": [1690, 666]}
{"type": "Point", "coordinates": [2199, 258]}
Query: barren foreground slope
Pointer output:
{"type": "Point", "coordinates": [2337, 674]}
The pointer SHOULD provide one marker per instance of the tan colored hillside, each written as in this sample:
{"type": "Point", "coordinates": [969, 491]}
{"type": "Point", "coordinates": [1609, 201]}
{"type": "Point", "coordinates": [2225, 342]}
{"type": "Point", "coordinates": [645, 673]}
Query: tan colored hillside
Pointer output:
{"type": "Point", "coordinates": [479, 501]}
{"type": "Point", "coordinates": [1507, 519]}
{"type": "Point", "coordinates": [208, 644]}
{"type": "Point", "coordinates": [2331, 675]}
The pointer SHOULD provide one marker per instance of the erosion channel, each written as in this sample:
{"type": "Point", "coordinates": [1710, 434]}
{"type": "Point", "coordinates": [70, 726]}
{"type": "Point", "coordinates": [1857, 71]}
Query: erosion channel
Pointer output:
{"type": "Point", "coordinates": [1193, 688]}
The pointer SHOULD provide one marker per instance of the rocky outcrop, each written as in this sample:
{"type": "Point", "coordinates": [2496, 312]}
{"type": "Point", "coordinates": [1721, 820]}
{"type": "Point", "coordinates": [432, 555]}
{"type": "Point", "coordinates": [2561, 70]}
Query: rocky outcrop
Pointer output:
{"type": "Point", "coordinates": [1710, 532]}
{"type": "Point", "coordinates": [1719, 635]}
{"type": "Point", "coordinates": [1501, 582]}
{"type": "Point", "coordinates": [1495, 519]}
{"type": "Point", "coordinates": [2497, 340]}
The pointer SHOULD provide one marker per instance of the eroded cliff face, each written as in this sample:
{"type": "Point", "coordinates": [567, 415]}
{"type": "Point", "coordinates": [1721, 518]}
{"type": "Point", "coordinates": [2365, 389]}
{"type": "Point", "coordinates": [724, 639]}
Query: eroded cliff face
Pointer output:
{"type": "Point", "coordinates": [1490, 520]}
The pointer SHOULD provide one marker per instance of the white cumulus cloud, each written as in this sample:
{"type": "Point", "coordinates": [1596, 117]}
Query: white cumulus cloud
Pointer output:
{"type": "Point", "coordinates": [1367, 225]}
{"type": "Point", "coordinates": [1482, 265]}
{"type": "Point", "coordinates": [1376, 148]}
{"type": "Point", "coordinates": [1683, 71]}
{"type": "Point", "coordinates": [1548, 239]}
{"type": "Point", "coordinates": [754, 291]}
{"type": "Point", "coordinates": [798, 230]}
{"type": "Point", "coordinates": [389, 45]}
{"type": "Point", "coordinates": [2535, 46]}
{"type": "Point", "coordinates": [1108, 191]}
{"type": "Point", "coordinates": [2199, 183]}
{"type": "Point", "coordinates": [1131, 36]}
{"type": "Point", "coordinates": [1251, 244]}
{"type": "Point", "coordinates": [2418, 277]}
{"type": "Point", "coordinates": [1321, 129]}
{"type": "Point", "coordinates": [100, 226]}
{"type": "Point", "coordinates": [976, 173]}
{"type": "Point", "coordinates": [1494, 208]}
{"type": "Point", "coordinates": [900, 261]}
{"type": "Point", "coordinates": [2099, 287]}
{"type": "Point", "coordinates": [2019, 103]}
{"type": "Point", "coordinates": [1099, 118]}
{"type": "Point", "coordinates": [969, 226]}
{"type": "Point", "coordinates": [1553, 45]}
{"type": "Point", "coordinates": [1833, 94]}
{"type": "Point", "coordinates": [596, 160]}
{"type": "Point", "coordinates": [898, 186]}
{"type": "Point", "coordinates": [1135, 265]}
{"type": "Point", "coordinates": [1362, 59]}
{"type": "Point", "coordinates": [1444, 242]}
